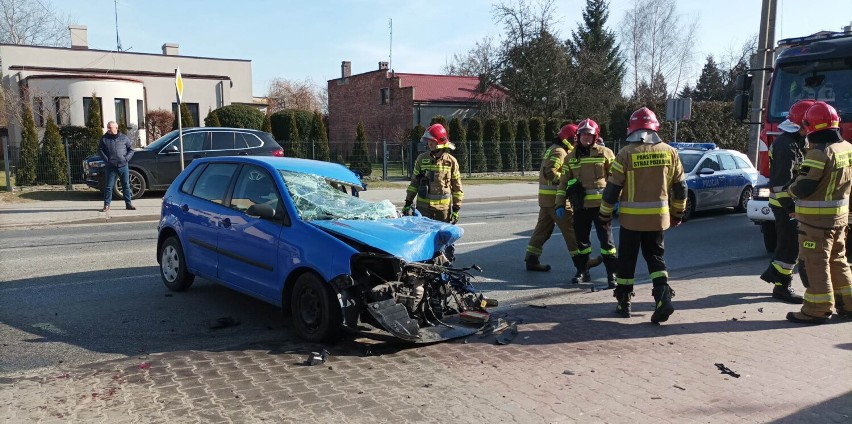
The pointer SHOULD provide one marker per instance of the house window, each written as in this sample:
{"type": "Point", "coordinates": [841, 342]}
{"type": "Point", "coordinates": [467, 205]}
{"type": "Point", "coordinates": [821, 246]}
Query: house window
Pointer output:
{"type": "Point", "coordinates": [121, 112]}
{"type": "Point", "coordinates": [38, 111]}
{"type": "Point", "coordinates": [385, 96]}
{"type": "Point", "coordinates": [140, 114]}
{"type": "Point", "coordinates": [193, 110]}
{"type": "Point", "coordinates": [62, 105]}
{"type": "Point", "coordinates": [87, 102]}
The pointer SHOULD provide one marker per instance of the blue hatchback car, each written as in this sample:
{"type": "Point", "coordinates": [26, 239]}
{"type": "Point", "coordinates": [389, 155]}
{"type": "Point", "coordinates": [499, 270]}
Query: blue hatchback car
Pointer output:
{"type": "Point", "coordinates": [285, 231]}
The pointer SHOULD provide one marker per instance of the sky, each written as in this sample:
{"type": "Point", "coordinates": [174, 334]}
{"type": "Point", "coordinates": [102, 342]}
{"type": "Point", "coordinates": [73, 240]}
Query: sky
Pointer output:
{"type": "Point", "coordinates": [299, 40]}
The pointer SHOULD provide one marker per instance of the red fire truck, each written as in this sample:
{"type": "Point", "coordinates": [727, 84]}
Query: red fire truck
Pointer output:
{"type": "Point", "coordinates": [819, 67]}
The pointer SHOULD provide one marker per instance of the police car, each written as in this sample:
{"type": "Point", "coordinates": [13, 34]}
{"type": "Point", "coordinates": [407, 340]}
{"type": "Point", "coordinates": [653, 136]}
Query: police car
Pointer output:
{"type": "Point", "coordinates": [716, 178]}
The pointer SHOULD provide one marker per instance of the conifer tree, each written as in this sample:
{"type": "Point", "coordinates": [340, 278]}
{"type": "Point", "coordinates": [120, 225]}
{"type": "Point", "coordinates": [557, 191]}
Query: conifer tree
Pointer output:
{"type": "Point", "coordinates": [94, 125]}
{"type": "Point", "coordinates": [522, 134]}
{"type": "Point", "coordinates": [539, 142]}
{"type": "Point", "coordinates": [710, 85]}
{"type": "Point", "coordinates": [54, 162]}
{"type": "Point", "coordinates": [457, 137]}
{"type": "Point", "coordinates": [186, 120]}
{"type": "Point", "coordinates": [267, 124]}
{"type": "Point", "coordinates": [491, 141]}
{"type": "Point", "coordinates": [477, 149]}
{"type": "Point", "coordinates": [508, 151]}
{"type": "Point", "coordinates": [360, 160]}
{"type": "Point", "coordinates": [297, 148]}
{"type": "Point", "coordinates": [27, 168]}
{"type": "Point", "coordinates": [319, 137]}
{"type": "Point", "coordinates": [212, 119]}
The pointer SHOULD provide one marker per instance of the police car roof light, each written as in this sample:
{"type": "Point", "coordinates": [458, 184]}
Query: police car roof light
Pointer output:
{"type": "Point", "coordinates": [693, 146]}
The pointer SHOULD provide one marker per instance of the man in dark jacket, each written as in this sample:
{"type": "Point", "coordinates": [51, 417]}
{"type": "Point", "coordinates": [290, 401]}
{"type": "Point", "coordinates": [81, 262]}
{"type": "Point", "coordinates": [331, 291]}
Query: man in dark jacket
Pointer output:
{"type": "Point", "coordinates": [116, 150]}
{"type": "Point", "coordinates": [785, 157]}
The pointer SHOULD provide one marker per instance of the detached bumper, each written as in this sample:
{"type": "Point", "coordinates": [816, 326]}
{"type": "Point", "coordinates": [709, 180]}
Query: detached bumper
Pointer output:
{"type": "Point", "coordinates": [758, 211]}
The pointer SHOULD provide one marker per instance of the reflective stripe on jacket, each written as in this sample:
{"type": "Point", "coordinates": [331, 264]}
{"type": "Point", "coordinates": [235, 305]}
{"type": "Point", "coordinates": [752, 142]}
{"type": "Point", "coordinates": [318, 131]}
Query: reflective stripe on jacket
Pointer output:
{"type": "Point", "coordinates": [548, 176]}
{"type": "Point", "coordinates": [821, 191]}
{"type": "Point", "coordinates": [436, 181]}
{"type": "Point", "coordinates": [590, 167]}
{"type": "Point", "coordinates": [646, 173]}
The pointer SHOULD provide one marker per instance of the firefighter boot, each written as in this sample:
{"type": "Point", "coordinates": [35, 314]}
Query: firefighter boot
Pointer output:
{"type": "Point", "coordinates": [610, 263]}
{"type": "Point", "coordinates": [581, 262]}
{"type": "Point", "coordinates": [839, 306]}
{"type": "Point", "coordinates": [663, 303]}
{"type": "Point", "coordinates": [534, 265]}
{"type": "Point", "coordinates": [622, 294]}
{"type": "Point", "coordinates": [784, 292]}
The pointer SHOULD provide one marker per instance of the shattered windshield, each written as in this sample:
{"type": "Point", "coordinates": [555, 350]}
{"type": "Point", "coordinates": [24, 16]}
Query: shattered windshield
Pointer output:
{"type": "Point", "coordinates": [317, 198]}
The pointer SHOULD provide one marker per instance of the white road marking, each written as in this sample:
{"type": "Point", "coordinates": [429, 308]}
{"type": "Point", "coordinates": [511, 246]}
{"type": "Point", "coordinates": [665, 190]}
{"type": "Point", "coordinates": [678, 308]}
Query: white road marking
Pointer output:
{"type": "Point", "coordinates": [471, 223]}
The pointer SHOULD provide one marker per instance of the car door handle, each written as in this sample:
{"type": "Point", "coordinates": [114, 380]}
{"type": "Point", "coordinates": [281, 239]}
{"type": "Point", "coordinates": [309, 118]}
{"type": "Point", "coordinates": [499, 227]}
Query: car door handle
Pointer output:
{"type": "Point", "coordinates": [226, 223]}
{"type": "Point", "coordinates": [184, 207]}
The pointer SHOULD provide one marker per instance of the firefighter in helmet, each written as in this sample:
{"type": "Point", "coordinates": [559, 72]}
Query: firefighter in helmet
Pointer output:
{"type": "Point", "coordinates": [586, 170]}
{"type": "Point", "coordinates": [647, 179]}
{"type": "Point", "coordinates": [786, 154]}
{"type": "Point", "coordinates": [436, 183]}
{"type": "Point", "coordinates": [821, 195]}
{"type": "Point", "coordinates": [548, 179]}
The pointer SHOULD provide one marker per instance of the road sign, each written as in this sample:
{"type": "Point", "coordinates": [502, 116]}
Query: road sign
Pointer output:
{"type": "Point", "coordinates": [179, 85]}
{"type": "Point", "coordinates": [678, 109]}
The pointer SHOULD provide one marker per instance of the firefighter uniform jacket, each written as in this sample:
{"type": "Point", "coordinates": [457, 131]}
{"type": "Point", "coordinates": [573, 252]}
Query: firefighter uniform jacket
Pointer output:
{"type": "Point", "coordinates": [590, 167]}
{"type": "Point", "coordinates": [436, 182]}
{"type": "Point", "coordinates": [644, 177]}
{"type": "Point", "coordinates": [821, 191]}
{"type": "Point", "coordinates": [548, 176]}
{"type": "Point", "coordinates": [786, 154]}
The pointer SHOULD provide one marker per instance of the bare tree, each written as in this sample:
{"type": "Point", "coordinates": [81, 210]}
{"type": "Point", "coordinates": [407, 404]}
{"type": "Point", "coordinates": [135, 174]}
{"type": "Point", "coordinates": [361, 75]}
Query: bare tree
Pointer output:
{"type": "Point", "coordinates": [482, 59]}
{"type": "Point", "coordinates": [657, 41]}
{"type": "Point", "coordinates": [286, 94]}
{"type": "Point", "coordinates": [32, 22]}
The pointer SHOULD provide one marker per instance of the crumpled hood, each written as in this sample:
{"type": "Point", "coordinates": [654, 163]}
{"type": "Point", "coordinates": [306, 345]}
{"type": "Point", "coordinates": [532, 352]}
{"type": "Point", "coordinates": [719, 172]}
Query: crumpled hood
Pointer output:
{"type": "Point", "coordinates": [413, 239]}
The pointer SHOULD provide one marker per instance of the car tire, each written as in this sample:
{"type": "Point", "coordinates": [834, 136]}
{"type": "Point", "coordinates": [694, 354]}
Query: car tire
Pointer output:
{"type": "Point", "coordinates": [315, 311]}
{"type": "Point", "coordinates": [770, 238]}
{"type": "Point", "coordinates": [745, 196]}
{"type": "Point", "coordinates": [690, 208]}
{"type": "Point", "coordinates": [137, 186]}
{"type": "Point", "coordinates": [173, 269]}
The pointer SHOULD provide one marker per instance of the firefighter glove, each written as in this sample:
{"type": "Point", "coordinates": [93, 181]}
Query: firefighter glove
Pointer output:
{"type": "Point", "coordinates": [675, 222]}
{"type": "Point", "coordinates": [454, 217]}
{"type": "Point", "coordinates": [406, 210]}
{"type": "Point", "coordinates": [560, 212]}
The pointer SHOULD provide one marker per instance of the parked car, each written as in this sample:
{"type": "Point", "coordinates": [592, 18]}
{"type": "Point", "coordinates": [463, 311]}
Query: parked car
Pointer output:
{"type": "Point", "coordinates": [716, 178]}
{"type": "Point", "coordinates": [286, 231]}
{"type": "Point", "coordinates": [156, 165]}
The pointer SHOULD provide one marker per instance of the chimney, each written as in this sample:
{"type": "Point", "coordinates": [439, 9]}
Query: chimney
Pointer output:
{"type": "Point", "coordinates": [345, 69]}
{"type": "Point", "coordinates": [79, 37]}
{"type": "Point", "coordinates": [383, 66]}
{"type": "Point", "coordinates": [171, 49]}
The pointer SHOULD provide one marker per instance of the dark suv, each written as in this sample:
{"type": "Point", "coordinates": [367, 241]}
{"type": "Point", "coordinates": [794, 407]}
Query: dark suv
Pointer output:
{"type": "Point", "coordinates": [155, 166]}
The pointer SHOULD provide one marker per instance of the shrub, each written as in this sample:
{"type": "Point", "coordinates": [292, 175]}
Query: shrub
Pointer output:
{"type": "Point", "coordinates": [491, 141]}
{"type": "Point", "coordinates": [185, 118]}
{"type": "Point", "coordinates": [240, 116]}
{"type": "Point", "coordinates": [439, 119]}
{"type": "Point", "coordinates": [95, 126]}
{"type": "Point", "coordinates": [158, 122]}
{"type": "Point", "coordinates": [537, 135]}
{"type": "Point", "coordinates": [507, 146]}
{"type": "Point", "coordinates": [360, 160]}
{"type": "Point", "coordinates": [267, 124]}
{"type": "Point", "coordinates": [53, 163]}
{"type": "Point", "coordinates": [457, 136]}
{"type": "Point", "coordinates": [27, 168]}
{"type": "Point", "coordinates": [522, 134]}
{"type": "Point", "coordinates": [551, 129]}
{"type": "Point", "coordinates": [477, 150]}
{"type": "Point", "coordinates": [212, 119]}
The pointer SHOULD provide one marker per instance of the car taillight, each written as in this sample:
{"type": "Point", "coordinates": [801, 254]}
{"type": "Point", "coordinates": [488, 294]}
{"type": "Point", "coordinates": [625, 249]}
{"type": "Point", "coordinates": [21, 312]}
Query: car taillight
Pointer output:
{"type": "Point", "coordinates": [278, 153]}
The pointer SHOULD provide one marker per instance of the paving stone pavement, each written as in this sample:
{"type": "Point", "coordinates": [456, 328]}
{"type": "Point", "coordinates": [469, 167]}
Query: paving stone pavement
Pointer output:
{"type": "Point", "coordinates": [572, 361]}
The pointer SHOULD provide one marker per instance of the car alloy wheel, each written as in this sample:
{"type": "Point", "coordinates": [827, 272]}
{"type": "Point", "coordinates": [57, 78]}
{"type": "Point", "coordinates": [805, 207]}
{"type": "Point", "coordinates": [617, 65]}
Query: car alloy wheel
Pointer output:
{"type": "Point", "coordinates": [745, 196]}
{"type": "Point", "coordinates": [137, 186]}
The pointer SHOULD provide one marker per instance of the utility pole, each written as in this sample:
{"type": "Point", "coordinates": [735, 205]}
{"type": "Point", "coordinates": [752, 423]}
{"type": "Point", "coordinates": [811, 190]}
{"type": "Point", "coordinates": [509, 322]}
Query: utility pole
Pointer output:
{"type": "Point", "coordinates": [762, 59]}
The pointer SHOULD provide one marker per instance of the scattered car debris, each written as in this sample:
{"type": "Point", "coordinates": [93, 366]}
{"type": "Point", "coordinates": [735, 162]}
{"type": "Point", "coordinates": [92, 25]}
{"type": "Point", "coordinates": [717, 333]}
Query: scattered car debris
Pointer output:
{"type": "Point", "coordinates": [507, 335]}
{"type": "Point", "coordinates": [568, 372]}
{"type": "Point", "coordinates": [316, 358]}
{"type": "Point", "coordinates": [224, 322]}
{"type": "Point", "coordinates": [725, 370]}
{"type": "Point", "coordinates": [678, 387]}
{"type": "Point", "coordinates": [538, 306]}
{"type": "Point", "coordinates": [655, 398]}
{"type": "Point", "coordinates": [760, 310]}
{"type": "Point", "coordinates": [494, 325]}
{"type": "Point", "coordinates": [474, 317]}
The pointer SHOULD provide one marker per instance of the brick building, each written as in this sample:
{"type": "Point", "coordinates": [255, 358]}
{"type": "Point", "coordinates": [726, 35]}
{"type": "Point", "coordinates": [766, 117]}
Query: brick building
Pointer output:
{"type": "Point", "coordinates": [390, 104]}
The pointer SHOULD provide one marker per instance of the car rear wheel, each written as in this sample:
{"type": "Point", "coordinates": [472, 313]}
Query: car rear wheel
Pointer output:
{"type": "Point", "coordinates": [173, 266]}
{"type": "Point", "coordinates": [137, 186]}
{"type": "Point", "coordinates": [745, 196]}
{"type": "Point", "coordinates": [770, 238]}
{"type": "Point", "coordinates": [690, 208]}
{"type": "Point", "coordinates": [316, 313]}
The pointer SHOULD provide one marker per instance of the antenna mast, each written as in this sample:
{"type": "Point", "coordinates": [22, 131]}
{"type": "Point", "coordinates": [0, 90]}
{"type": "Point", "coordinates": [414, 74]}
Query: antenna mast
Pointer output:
{"type": "Point", "coordinates": [117, 40]}
{"type": "Point", "coordinates": [390, 51]}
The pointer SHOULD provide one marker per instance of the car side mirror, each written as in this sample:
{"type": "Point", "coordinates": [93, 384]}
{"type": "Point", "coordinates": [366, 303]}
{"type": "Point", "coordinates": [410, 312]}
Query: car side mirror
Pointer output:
{"type": "Point", "coordinates": [171, 149]}
{"type": "Point", "coordinates": [262, 211]}
{"type": "Point", "coordinates": [706, 171]}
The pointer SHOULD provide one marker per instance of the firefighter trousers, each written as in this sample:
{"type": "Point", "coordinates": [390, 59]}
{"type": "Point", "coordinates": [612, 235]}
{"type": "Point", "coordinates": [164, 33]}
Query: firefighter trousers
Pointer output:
{"type": "Point", "coordinates": [442, 215]}
{"type": "Point", "coordinates": [651, 244]}
{"type": "Point", "coordinates": [583, 220]}
{"type": "Point", "coordinates": [780, 268]}
{"type": "Point", "coordinates": [547, 220]}
{"type": "Point", "coordinates": [824, 253]}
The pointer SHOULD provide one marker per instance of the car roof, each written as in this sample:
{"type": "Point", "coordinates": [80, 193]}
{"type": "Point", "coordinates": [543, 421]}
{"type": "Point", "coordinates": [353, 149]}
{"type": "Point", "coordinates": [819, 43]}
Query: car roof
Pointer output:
{"type": "Point", "coordinates": [220, 129]}
{"type": "Point", "coordinates": [332, 171]}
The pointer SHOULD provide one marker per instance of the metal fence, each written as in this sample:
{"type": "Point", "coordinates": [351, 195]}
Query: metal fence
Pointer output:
{"type": "Point", "coordinates": [388, 160]}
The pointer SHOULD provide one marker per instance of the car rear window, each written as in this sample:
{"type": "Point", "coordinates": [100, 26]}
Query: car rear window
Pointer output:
{"type": "Point", "coordinates": [741, 163]}
{"type": "Point", "coordinates": [250, 141]}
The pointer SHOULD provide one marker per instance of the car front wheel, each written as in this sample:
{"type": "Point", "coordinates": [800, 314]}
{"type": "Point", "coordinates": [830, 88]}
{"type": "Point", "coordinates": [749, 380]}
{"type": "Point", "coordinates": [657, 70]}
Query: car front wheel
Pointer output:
{"type": "Point", "coordinates": [173, 266]}
{"type": "Point", "coordinates": [137, 186]}
{"type": "Point", "coordinates": [316, 313]}
{"type": "Point", "coordinates": [745, 196]}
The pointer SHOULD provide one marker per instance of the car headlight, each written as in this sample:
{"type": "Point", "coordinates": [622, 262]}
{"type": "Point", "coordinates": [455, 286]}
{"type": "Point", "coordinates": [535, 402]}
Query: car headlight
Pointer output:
{"type": "Point", "coordinates": [763, 192]}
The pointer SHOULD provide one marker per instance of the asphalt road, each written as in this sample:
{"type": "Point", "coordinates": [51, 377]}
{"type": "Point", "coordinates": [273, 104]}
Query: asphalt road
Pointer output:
{"type": "Point", "coordinates": [88, 293]}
